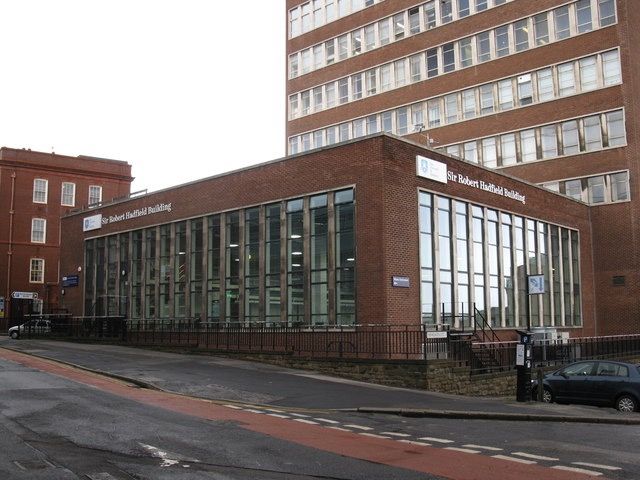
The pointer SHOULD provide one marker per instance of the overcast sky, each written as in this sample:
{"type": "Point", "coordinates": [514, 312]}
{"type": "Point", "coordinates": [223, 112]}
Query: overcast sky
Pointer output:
{"type": "Point", "coordinates": [180, 89]}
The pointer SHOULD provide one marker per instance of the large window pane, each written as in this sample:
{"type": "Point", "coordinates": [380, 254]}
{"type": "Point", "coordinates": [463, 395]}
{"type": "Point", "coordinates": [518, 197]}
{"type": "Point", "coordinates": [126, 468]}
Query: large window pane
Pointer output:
{"type": "Point", "coordinates": [345, 257]}
{"type": "Point", "coordinates": [583, 16]}
{"type": "Point", "coordinates": [545, 84]}
{"type": "Point", "coordinates": [502, 40]}
{"type": "Point", "coordinates": [611, 67]}
{"type": "Point", "coordinates": [528, 145]}
{"type": "Point", "coordinates": [561, 22]}
{"type": "Point", "coordinates": [570, 138]}
{"type": "Point", "coordinates": [606, 12]}
{"type": "Point", "coordinates": [549, 141]}
{"type": "Point", "coordinates": [592, 133]}
{"type": "Point", "coordinates": [448, 57]}
{"type": "Point", "coordinates": [619, 186]}
{"type": "Point", "coordinates": [508, 149]}
{"type": "Point", "coordinates": [615, 128]}
{"type": "Point", "coordinates": [588, 74]}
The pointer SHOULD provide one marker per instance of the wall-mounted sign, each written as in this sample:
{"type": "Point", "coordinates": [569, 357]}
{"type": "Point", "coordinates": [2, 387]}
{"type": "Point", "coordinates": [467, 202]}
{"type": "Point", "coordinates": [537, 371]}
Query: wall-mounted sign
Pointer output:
{"type": "Point", "coordinates": [431, 169]}
{"type": "Point", "coordinates": [402, 282]}
{"type": "Point", "coordinates": [97, 221]}
{"type": "Point", "coordinates": [70, 281]}
{"type": "Point", "coordinates": [440, 334]}
{"type": "Point", "coordinates": [1, 307]}
{"type": "Point", "coordinates": [536, 284]}
{"type": "Point", "coordinates": [93, 222]}
{"type": "Point", "coordinates": [486, 186]}
{"type": "Point", "coordinates": [138, 212]}
{"type": "Point", "coordinates": [24, 295]}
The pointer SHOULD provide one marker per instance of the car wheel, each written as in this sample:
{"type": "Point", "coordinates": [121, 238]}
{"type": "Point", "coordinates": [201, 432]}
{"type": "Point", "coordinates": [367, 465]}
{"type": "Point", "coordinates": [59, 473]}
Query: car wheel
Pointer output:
{"type": "Point", "coordinates": [547, 396]}
{"type": "Point", "coordinates": [14, 335]}
{"type": "Point", "coordinates": [626, 403]}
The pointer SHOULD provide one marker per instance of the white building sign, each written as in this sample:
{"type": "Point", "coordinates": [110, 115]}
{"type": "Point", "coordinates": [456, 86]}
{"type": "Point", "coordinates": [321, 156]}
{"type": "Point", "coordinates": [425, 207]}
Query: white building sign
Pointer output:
{"type": "Point", "coordinates": [431, 169]}
{"type": "Point", "coordinates": [97, 221]}
{"type": "Point", "coordinates": [93, 222]}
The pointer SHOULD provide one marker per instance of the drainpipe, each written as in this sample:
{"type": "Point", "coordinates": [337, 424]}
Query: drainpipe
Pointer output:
{"type": "Point", "coordinates": [10, 250]}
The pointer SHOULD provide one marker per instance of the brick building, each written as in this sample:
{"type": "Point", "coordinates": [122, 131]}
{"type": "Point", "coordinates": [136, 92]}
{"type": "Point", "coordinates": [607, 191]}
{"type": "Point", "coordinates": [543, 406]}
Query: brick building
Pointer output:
{"type": "Point", "coordinates": [543, 90]}
{"type": "Point", "coordinates": [378, 230]}
{"type": "Point", "coordinates": [36, 189]}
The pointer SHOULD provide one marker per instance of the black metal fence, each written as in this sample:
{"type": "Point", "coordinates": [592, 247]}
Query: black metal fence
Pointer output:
{"type": "Point", "coordinates": [388, 342]}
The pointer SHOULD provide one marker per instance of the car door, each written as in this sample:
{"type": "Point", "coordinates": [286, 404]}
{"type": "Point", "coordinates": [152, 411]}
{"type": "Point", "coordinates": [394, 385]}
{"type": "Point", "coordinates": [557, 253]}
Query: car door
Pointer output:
{"type": "Point", "coordinates": [609, 379]}
{"type": "Point", "coordinates": [571, 382]}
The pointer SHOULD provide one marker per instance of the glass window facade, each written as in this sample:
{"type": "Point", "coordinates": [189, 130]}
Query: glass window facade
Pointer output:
{"type": "Point", "coordinates": [287, 263]}
{"type": "Point", "coordinates": [482, 258]}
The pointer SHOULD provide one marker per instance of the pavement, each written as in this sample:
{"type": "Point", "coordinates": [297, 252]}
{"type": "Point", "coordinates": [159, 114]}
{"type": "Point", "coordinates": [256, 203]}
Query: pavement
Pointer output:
{"type": "Point", "coordinates": [231, 380]}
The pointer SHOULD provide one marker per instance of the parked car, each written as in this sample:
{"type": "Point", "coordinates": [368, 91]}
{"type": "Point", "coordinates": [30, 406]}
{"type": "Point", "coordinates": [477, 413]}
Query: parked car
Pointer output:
{"type": "Point", "coordinates": [594, 382]}
{"type": "Point", "coordinates": [36, 327]}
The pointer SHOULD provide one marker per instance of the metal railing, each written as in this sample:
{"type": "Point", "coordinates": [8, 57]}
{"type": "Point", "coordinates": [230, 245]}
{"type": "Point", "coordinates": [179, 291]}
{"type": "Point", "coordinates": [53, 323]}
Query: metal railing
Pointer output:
{"type": "Point", "coordinates": [380, 342]}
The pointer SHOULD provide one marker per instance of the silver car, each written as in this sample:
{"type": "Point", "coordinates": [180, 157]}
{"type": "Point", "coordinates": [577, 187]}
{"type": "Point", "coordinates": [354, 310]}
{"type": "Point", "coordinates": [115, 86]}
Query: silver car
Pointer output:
{"type": "Point", "coordinates": [32, 327]}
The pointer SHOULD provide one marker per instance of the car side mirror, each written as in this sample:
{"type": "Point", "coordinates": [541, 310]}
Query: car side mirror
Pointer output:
{"type": "Point", "coordinates": [563, 375]}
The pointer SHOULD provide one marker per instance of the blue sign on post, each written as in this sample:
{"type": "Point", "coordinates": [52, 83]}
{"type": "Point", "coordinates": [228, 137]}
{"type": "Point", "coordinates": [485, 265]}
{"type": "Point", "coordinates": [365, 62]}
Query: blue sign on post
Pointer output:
{"type": "Point", "coordinates": [70, 281]}
{"type": "Point", "coordinates": [536, 284]}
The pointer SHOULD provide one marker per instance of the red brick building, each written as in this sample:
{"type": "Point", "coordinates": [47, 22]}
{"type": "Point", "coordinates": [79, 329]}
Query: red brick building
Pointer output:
{"type": "Point", "coordinates": [374, 231]}
{"type": "Point", "coordinates": [36, 189]}
{"type": "Point", "coordinates": [542, 90]}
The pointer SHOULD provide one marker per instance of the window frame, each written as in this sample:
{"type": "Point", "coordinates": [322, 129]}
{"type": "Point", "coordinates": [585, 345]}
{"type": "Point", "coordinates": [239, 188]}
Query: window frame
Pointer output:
{"type": "Point", "coordinates": [39, 235]}
{"type": "Point", "coordinates": [92, 187]}
{"type": "Point", "coordinates": [41, 271]}
{"type": "Point", "coordinates": [37, 192]}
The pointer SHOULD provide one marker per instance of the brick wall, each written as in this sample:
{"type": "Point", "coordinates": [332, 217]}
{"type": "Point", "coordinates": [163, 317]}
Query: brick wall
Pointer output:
{"type": "Point", "coordinates": [18, 169]}
{"type": "Point", "coordinates": [383, 170]}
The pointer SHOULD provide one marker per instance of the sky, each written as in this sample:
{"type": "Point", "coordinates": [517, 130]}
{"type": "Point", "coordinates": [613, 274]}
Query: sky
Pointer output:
{"type": "Point", "coordinates": [180, 89]}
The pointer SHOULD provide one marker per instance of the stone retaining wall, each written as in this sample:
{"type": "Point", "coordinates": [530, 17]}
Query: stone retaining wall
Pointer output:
{"type": "Point", "coordinates": [435, 375]}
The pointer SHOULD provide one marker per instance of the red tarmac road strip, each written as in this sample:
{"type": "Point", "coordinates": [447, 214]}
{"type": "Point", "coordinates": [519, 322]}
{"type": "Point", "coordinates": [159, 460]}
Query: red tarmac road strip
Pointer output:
{"type": "Point", "coordinates": [436, 461]}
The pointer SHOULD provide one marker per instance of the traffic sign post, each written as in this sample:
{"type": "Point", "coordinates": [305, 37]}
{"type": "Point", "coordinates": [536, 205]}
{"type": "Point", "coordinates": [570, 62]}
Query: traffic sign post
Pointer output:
{"type": "Point", "coordinates": [524, 349]}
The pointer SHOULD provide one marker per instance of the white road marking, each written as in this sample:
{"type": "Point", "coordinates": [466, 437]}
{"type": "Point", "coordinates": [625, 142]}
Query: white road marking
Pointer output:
{"type": "Point", "coordinates": [300, 415]}
{"type": "Point", "coordinates": [252, 410]}
{"type": "Point", "coordinates": [235, 407]}
{"type": "Point", "coordinates": [168, 459]}
{"type": "Point", "coordinates": [535, 457]}
{"type": "Point", "coordinates": [396, 434]}
{"type": "Point", "coordinates": [482, 447]}
{"type": "Point", "coordinates": [277, 415]}
{"type": "Point", "coordinates": [437, 440]}
{"type": "Point", "coordinates": [359, 427]}
{"type": "Point", "coordinates": [578, 470]}
{"type": "Point", "coordinates": [513, 459]}
{"type": "Point", "coordinates": [302, 420]}
{"type": "Point", "coordinates": [464, 450]}
{"type": "Point", "coordinates": [372, 435]}
{"type": "Point", "coordinates": [595, 465]}
{"type": "Point", "coordinates": [340, 428]}
{"type": "Point", "coordinates": [413, 442]}
{"type": "Point", "coordinates": [326, 420]}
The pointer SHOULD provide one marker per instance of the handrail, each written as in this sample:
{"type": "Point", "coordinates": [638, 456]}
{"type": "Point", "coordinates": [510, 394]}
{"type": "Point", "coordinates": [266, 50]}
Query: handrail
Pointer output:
{"type": "Point", "coordinates": [485, 327]}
